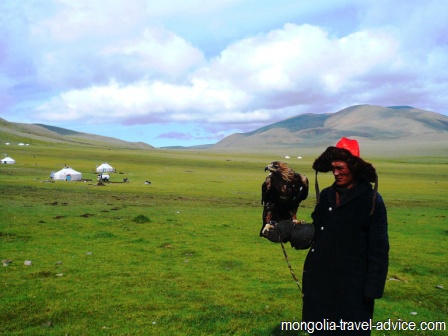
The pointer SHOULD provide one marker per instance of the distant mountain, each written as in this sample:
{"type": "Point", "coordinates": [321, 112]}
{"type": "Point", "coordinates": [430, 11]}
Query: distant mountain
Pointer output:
{"type": "Point", "coordinates": [21, 132]}
{"type": "Point", "coordinates": [394, 130]}
{"type": "Point", "coordinates": [400, 126]}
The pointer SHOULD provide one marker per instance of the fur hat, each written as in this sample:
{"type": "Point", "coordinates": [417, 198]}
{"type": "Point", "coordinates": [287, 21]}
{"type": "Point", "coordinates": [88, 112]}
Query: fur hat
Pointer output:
{"type": "Point", "coordinates": [360, 169]}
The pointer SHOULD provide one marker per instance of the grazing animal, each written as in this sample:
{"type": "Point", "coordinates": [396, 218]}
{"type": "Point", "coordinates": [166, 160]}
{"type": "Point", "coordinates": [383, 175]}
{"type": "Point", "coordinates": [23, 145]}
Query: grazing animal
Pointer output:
{"type": "Point", "coordinates": [281, 194]}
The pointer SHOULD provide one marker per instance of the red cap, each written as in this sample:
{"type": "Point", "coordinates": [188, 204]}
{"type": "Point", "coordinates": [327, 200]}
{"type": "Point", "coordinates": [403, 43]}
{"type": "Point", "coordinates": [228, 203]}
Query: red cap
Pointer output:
{"type": "Point", "coordinates": [351, 145]}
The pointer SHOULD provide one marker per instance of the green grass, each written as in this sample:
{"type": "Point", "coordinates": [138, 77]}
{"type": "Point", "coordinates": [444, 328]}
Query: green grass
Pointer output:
{"type": "Point", "coordinates": [182, 255]}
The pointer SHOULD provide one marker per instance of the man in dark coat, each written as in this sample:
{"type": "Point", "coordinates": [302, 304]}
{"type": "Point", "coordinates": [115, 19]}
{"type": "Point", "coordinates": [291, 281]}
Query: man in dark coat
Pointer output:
{"type": "Point", "coordinates": [346, 266]}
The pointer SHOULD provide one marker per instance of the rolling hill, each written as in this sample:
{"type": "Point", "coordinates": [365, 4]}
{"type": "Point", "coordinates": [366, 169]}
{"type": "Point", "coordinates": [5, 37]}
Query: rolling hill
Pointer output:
{"type": "Point", "coordinates": [21, 132]}
{"type": "Point", "coordinates": [395, 129]}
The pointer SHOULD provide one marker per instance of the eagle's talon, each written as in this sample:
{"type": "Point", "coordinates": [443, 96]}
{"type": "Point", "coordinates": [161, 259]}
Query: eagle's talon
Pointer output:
{"type": "Point", "coordinates": [266, 229]}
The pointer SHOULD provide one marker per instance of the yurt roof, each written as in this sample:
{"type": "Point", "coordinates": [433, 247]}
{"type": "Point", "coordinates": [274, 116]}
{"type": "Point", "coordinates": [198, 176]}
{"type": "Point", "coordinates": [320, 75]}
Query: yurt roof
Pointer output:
{"type": "Point", "coordinates": [68, 170]}
{"type": "Point", "coordinates": [105, 165]}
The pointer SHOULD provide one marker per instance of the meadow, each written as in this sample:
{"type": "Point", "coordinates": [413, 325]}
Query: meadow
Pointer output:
{"type": "Point", "coordinates": [182, 255]}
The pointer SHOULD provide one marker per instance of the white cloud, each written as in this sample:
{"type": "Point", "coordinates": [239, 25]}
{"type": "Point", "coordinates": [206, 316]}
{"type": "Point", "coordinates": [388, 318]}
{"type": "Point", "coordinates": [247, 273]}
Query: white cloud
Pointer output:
{"type": "Point", "coordinates": [81, 49]}
{"type": "Point", "coordinates": [288, 66]}
{"type": "Point", "coordinates": [142, 102]}
{"type": "Point", "coordinates": [157, 51]}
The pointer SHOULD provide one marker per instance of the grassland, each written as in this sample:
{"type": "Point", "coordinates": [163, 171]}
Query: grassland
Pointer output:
{"type": "Point", "coordinates": [182, 255]}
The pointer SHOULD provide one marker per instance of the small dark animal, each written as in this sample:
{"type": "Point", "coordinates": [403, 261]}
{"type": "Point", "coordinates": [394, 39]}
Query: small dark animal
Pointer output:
{"type": "Point", "coordinates": [281, 194]}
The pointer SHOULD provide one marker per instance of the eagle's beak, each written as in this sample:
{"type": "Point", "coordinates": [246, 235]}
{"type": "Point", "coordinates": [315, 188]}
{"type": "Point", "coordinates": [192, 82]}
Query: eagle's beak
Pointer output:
{"type": "Point", "coordinates": [269, 167]}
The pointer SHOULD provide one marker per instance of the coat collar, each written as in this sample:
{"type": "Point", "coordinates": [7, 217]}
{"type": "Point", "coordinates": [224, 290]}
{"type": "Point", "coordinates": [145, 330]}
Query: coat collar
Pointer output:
{"type": "Point", "coordinates": [350, 195]}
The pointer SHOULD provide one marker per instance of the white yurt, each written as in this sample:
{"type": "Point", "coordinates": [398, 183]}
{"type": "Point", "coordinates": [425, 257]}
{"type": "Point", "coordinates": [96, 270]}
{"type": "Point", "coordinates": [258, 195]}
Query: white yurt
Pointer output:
{"type": "Point", "coordinates": [105, 168]}
{"type": "Point", "coordinates": [8, 160]}
{"type": "Point", "coordinates": [67, 174]}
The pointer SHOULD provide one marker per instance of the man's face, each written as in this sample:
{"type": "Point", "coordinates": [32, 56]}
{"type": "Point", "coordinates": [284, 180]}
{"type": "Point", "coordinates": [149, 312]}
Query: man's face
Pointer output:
{"type": "Point", "coordinates": [342, 174]}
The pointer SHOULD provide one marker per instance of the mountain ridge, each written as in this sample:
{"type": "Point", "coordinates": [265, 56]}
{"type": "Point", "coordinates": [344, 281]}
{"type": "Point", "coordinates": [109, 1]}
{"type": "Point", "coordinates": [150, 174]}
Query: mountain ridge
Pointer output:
{"type": "Point", "coordinates": [370, 124]}
{"type": "Point", "coordinates": [392, 129]}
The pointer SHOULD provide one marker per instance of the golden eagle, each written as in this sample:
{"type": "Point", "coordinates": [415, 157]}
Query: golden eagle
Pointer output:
{"type": "Point", "coordinates": [281, 194]}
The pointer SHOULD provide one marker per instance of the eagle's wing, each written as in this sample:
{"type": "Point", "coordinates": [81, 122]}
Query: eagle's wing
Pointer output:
{"type": "Point", "coordinates": [264, 190]}
{"type": "Point", "coordinates": [301, 184]}
{"type": "Point", "coordinates": [301, 188]}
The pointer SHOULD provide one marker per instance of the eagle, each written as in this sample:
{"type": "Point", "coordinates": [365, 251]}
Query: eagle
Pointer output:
{"type": "Point", "coordinates": [281, 194]}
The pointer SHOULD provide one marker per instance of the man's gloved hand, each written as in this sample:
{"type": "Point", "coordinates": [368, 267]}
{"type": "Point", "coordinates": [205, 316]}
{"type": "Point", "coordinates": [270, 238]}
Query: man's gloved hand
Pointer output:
{"type": "Point", "coordinates": [302, 236]}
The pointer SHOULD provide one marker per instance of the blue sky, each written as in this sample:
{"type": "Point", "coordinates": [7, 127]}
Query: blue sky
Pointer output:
{"type": "Point", "coordinates": [192, 72]}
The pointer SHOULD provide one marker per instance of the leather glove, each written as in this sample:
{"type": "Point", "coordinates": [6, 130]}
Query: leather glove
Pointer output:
{"type": "Point", "coordinates": [302, 236]}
